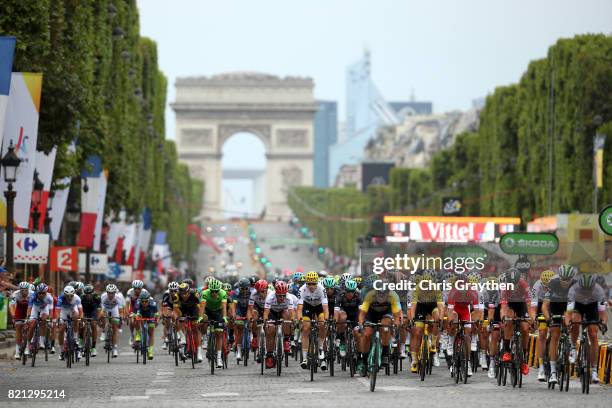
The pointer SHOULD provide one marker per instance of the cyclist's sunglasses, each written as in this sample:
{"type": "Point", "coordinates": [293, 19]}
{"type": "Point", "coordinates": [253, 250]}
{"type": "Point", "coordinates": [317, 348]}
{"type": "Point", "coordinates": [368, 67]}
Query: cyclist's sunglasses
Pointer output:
{"type": "Point", "coordinates": [214, 291]}
{"type": "Point", "coordinates": [311, 284]}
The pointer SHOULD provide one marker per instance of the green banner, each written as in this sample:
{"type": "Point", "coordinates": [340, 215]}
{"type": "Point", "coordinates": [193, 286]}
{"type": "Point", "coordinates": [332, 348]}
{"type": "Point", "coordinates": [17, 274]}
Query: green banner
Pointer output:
{"type": "Point", "coordinates": [605, 220]}
{"type": "Point", "coordinates": [529, 243]}
{"type": "Point", "coordinates": [464, 251]}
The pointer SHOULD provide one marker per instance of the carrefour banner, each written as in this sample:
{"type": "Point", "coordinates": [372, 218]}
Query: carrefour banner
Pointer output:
{"type": "Point", "coordinates": [21, 129]}
{"type": "Point", "coordinates": [7, 50]}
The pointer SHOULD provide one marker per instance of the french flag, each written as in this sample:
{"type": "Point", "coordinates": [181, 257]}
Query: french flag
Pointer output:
{"type": "Point", "coordinates": [90, 200]}
{"type": "Point", "coordinates": [144, 238]}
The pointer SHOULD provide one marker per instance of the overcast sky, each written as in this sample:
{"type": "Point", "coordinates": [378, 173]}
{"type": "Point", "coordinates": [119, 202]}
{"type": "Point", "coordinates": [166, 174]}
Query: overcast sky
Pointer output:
{"type": "Point", "coordinates": [449, 51]}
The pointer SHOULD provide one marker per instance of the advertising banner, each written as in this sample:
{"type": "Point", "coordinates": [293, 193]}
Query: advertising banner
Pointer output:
{"type": "Point", "coordinates": [30, 248]}
{"type": "Point", "coordinates": [98, 263]}
{"type": "Point", "coordinates": [21, 129]}
{"type": "Point", "coordinates": [64, 259]}
{"type": "Point", "coordinates": [44, 167]}
{"type": "Point", "coordinates": [7, 50]}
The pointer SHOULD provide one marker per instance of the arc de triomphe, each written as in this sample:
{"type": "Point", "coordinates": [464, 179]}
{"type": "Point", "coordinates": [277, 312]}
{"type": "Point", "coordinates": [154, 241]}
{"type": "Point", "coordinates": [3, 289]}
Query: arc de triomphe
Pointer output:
{"type": "Point", "coordinates": [279, 111]}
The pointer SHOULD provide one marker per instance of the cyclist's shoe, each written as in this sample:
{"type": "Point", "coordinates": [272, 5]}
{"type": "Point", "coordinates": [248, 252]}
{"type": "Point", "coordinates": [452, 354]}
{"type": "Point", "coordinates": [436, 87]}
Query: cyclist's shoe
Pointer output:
{"type": "Point", "coordinates": [553, 378]}
{"type": "Point", "coordinates": [304, 363]}
{"type": "Point", "coordinates": [78, 355]}
{"type": "Point", "coordinates": [323, 365]}
{"type": "Point", "coordinates": [572, 356]}
{"type": "Point", "coordinates": [524, 369]}
{"type": "Point", "coordinates": [321, 354]}
{"type": "Point", "coordinates": [491, 372]}
{"type": "Point", "coordinates": [199, 357]}
{"type": "Point", "coordinates": [61, 356]}
{"type": "Point", "coordinates": [269, 361]}
{"type": "Point", "coordinates": [359, 368]}
{"type": "Point", "coordinates": [385, 361]}
{"type": "Point", "coordinates": [403, 353]}
{"type": "Point", "coordinates": [470, 370]}
{"type": "Point", "coordinates": [219, 361]}
{"type": "Point", "coordinates": [414, 367]}
{"type": "Point", "coordinates": [541, 374]}
{"type": "Point", "coordinates": [594, 377]}
{"type": "Point", "coordinates": [150, 353]}
{"type": "Point", "coordinates": [436, 360]}
{"type": "Point", "coordinates": [132, 340]}
{"type": "Point", "coordinates": [342, 350]}
{"type": "Point", "coordinates": [286, 346]}
{"type": "Point", "coordinates": [238, 354]}
{"type": "Point", "coordinates": [254, 343]}
{"type": "Point", "coordinates": [164, 345]}
{"type": "Point", "coordinates": [474, 344]}
{"type": "Point", "coordinates": [17, 355]}
{"type": "Point", "coordinates": [93, 352]}
{"type": "Point", "coordinates": [449, 349]}
{"type": "Point", "coordinates": [507, 357]}
{"type": "Point", "coordinates": [27, 350]}
{"type": "Point", "coordinates": [443, 341]}
{"type": "Point", "coordinates": [483, 361]}
{"type": "Point", "coordinates": [204, 342]}
{"type": "Point", "coordinates": [51, 350]}
{"type": "Point", "coordinates": [103, 336]}
{"type": "Point", "coordinates": [115, 352]}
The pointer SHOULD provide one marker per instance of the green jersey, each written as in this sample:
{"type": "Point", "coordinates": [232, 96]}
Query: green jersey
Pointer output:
{"type": "Point", "coordinates": [213, 303]}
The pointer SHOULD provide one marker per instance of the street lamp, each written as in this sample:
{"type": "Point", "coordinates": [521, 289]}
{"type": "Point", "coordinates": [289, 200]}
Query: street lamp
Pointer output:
{"type": "Point", "coordinates": [10, 162]}
{"type": "Point", "coordinates": [48, 218]}
{"type": "Point", "coordinates": [37, 191]}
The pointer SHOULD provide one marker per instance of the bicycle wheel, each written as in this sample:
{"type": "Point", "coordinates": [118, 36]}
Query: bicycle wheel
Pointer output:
{"type": "Point", "coordinates": [585, 372]}
{"type": "Point", "coordinates": [423, 355]}
{"type": "Point", "coordinates": [212, 348]}
{"type": "Point", "coordinates": [279, 354]}
{"type": "Point", "coordinates": [457, 358]}
{"type": "Point", "coordinates": [331, 352]}
{"type": "Point", "coordinates": [261, 351]}
{"type": "Point", "coordinates": [246, 348]}
{"type": "Point", "coordinates": [312, 356]}
{"type": "Point", "coordinates": [46, 349]}
{"type": "Point", "coordinates": [145, 344]}
{"type": "Point", "coordinates": [566, 369]}
{"type": "Point", "coordinates": [374, 358]}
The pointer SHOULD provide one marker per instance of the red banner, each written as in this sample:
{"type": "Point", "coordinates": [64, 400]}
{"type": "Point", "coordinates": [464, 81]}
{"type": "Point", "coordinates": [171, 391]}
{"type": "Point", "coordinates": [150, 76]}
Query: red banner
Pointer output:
{"type": "Point", "coordinates": [64, 259]}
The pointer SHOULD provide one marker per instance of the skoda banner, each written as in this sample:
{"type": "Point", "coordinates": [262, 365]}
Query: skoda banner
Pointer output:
{"type": "Point", "coordinates": [529, 243]}
{"type": "Point", "coordinates": [605, 220]}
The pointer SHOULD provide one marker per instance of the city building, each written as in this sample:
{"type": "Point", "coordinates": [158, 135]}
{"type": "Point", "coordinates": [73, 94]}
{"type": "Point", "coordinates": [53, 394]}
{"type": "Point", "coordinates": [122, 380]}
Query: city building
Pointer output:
{"type": "Point", "coordinates": [325, 135]}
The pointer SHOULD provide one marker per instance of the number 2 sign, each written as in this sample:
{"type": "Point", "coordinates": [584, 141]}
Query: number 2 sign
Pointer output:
{"type": "Point", "coordinates": [64, 259]}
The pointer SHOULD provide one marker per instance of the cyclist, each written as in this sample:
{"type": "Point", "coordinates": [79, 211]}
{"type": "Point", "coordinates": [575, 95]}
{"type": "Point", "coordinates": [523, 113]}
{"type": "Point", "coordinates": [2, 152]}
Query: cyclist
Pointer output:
{"type": "Point", "coordinates": [312, 305]}
{"type": "Point", "coordinates": [492, 300]}
{"type": "Point", "coordinates": [18, 308]}
{"type": "Point", "coordinates": [587, 301]}
{"type": "Point", "coordinates": [40, 303]}
{"type": "Point", "coordinates": [460, 300]}
{"type": "Point", "coordinates": [91, 303]}
{"type": "Point", "coordinates": [239, 305]}
{"type": "Point", "coordinates": [214, 304]}
{"type": "Point", "coordinates": [554, 308]}
{"type": "Point", "coordinates": [346, 307]}
{"type": "Point", "coordinates": [166, 309]}
{"type": "Point", "coordinates": [255, 310]}
{"type": "Point", "coordinates": [359, 281]}
{"type": "Point", "coordinates": [294, 288]}
{"type": "Point", "coordinates": [146, 307]}
{"type": "Point", "coordinates": [186, 304]}
{"type": "Point", "coordinates": [278, 307]}
{"type": "Point", "coordinates": [331, 290]}
{"type": "Point", "coordinates": [69, 304]}
{"type": "Point", "coordinates": [379, 306]}
{"type": "Point", "coordinates": [132, 295]}
{"type": "Point", "coordinates": [516, 304]}
{"type": "Point", "coordinates": [424, 303]}
{"type": "Point", "coordinates": [113, 304]}
{"type": "Point", "coordinates": [538, 292]}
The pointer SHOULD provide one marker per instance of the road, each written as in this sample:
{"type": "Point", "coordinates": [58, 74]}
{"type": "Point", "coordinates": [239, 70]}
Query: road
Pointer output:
{"type": "Point", "coordinates": [160, 383]}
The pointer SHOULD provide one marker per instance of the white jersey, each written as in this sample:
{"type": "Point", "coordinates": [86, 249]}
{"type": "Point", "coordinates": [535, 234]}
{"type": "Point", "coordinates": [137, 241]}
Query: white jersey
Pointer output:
{"type": "Point", "coordinates": [577, 294]}
{"type": "Point", "coordinates": [294, 299]}
{"type": "Point", "coordinates": [313, 298]}
{"type": "Point", "coordinates": [274, 305]}
{"type": "Point", "coordinates": [117, 301]}
{"type": "Point", "coordinates": [260, 301]}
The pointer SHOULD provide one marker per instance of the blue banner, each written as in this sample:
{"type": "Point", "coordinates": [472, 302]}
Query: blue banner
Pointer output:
{"type": "Point", "coordinates": [7, 50]}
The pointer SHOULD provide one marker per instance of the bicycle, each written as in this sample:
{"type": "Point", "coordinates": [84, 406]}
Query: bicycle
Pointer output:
{"type": "Point", "coordinates": [245, 344]}
{"type": "Point", "coordinates": [459, 365]}
{"type": "Point", "coordinates": [375, 356]}
{"type": "Point", "coordinates": [35, 342]}
{"type": "Point", "coordinates": [88, 339]}
{"type": "Point", "coordinates": [516, 349]}
{"type": "Point", "coordinates": [331, 345]}
{"type": "Point", "coordinates": [189, 348]}
{"type": "Point", "coordinates": [279, 338]}
{"type": "Point", "coordinates": [172, 339]}
{"type": "Point", "coordinates": [350, 359]}
{"type": "Point", "coordinates": [24, 342]}
{"type": "Point", "coordinates": [563, 364]}
{"type": "Point", "coordinates": [312, 355]}
{"type": "Point", "coordinates": [425, 354]}
{"type": "Point", "coordinates": [211, 349]}
{"type": "Point", "coordinates": [261, 346]}
{"type": "Point", "coordinates": [142, 346]}
{"type": "Point", "coordinates": [583, 363]}
{"type": "Point", "coordinates": [108, 339]}
{"type": "Point", "coordinates": [70, 348]}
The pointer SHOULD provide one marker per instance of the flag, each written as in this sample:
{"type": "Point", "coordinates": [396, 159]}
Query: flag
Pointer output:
{"type": "Point", "coordinates": [119, 250]}
{"type": "Point", "coordinates": [7, 50]}
{"type": "Point", "coordinates": [144, 237]}
{"type": "Point", "coordinates": [100, 211]}
{"type": "Point", "coordinates": [21, 129]}
{"type": "Point", "coordinates": [114, 233]}
{"type": "Point", "coordinates": [129, 239]}
{"type": "Point", "coordinates": [44, 167]}
{"type": "Point", "coordinates": [60, 200]}
{"type": "Point", "coordinates": [598, 149]}
{"type": "Point", "coordinates": [90, 197]}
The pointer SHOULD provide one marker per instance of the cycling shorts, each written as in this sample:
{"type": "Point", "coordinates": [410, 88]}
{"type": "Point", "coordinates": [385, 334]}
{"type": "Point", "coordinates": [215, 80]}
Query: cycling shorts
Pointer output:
{"type": "Point", "coordinates": [519, 308]}
{"type": "Point", "coordinates": [313, 312]}
{"type": "Point", "coordinates": [38, 311]}
{"type": "Point", "coordinates": [424, 309]}
{"type": "Point", "coordinates": [588, 311]}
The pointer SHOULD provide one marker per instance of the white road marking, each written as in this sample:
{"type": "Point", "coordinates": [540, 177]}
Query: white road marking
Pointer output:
{"type": "Point", "coordinates": [220, 394]}
{"type": "Point", "coordinates": [162, 373]}
{"type": "Point", "coordinates": [155, 391]}
{"type": "Point", "coordinates": [396, 388]}
{"type": "Point", "coordinates": [160, 381]}
{"type": "Point", "coordinates": [306, 390]}
{"type": "Point", "coordinates": [129, 397]}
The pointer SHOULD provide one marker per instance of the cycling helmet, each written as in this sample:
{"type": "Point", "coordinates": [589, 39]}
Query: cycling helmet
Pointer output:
{"type": "Point", "coordinates": [173, 286]}
{"type": "Point", "coordinates": [41, 288]}
{"type": "Point", "coordinates": [144, 291]}
{"type": "Point", "coordinates": [513, 275]}
{"type": "Point", "coordinates": [32, 287]}
{"type": "Point", "coordinates": [586, 281]}
{"type": "Point", "coordinates": [350, 285]}
{"type": "Point", "coordinates": [428, 275]}
{"type": "Point", "coordinates": [24, 285]}
{"type": "Point", "coordinates": [323, 273]}
{"type": "Point", "coordinates": [79, 286]}
{"type": "Point", "coordinates": [298, 276]}
{"type": "Point", "coordinates": [244, 283]}
{"type": "Point", "coordinates": [144, 296]}
{"type": "Point", "coordinates": [214, 285]}
{"type": "Point", "coordinates": [329, 282]}
{"type": "Point", "coordinates": [69, 290]}
{"type": "Point", "coordinates": [111, 288]}
{"type": "Point", "coordinates": [189, 282]}
{"type": "Point", "coordinates": [227, 287]}
{"type": "Point", "coordinates": [566, 272]}
{"type": "Point", "coordinates": [138, 284]}
{"type": "Point", "coordinates": [88, 289]}
{"type": "Point", "coordinates": [473, 278]}
{"type": "Point", "coordinates": [312, 277]}
{"type": "Point", "coordinates": [492, 279]}
{"type": "Point", "coordinates": [281, 288]}
{"type": "Point", "coordinates": [261, 285]}
{"type": "Point", "coordinates": [72, 283]}
{"type": "Point", "coordinates": [183, 288]}
{"type": "Point", "coordinates": [358, 279]}
{"type": "Point", "coordinates": [546, 277]}
{"type": "Point", "coordinates": [369, 281]}
{"type": "Point", "coordinates": [253, 279]}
